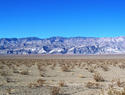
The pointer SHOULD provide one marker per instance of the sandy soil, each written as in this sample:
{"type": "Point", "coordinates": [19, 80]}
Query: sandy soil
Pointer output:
{"type": "Point", "coordinates": [84, 75]}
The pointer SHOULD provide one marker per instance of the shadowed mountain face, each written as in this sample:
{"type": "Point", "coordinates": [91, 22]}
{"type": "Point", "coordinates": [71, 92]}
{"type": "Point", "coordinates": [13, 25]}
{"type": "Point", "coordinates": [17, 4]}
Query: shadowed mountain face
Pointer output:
{"type": "Point", "coordinates": [60, 45]}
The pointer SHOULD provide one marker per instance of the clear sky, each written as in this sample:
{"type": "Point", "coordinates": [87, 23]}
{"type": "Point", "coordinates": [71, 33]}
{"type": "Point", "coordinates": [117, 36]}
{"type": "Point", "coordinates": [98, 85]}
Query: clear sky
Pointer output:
{"type": "Point", "coordinates": [67, 18]}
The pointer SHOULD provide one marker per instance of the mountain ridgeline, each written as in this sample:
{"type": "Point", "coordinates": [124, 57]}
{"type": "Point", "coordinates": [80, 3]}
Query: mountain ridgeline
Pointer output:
{"type": "Point", "coordinates": [61, 45]}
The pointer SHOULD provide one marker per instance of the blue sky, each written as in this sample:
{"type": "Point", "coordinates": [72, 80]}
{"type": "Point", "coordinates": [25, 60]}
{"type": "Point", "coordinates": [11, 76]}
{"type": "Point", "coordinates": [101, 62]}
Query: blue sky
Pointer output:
{"type": "Point", "coordinates": [67, 18]}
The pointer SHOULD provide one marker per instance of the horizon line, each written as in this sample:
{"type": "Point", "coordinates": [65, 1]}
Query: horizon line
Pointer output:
{"type": "Point", "coordinates": [57, 37]}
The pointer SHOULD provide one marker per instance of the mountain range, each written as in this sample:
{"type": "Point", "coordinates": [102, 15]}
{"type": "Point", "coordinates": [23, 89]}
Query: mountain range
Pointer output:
{"type": "Point", "coordinates": [62, 45]}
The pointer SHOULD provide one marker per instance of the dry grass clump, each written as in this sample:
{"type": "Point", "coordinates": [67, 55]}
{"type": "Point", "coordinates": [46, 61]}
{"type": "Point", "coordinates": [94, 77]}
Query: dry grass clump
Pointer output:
{"type": "Point", "coordinates": [38, 83]}
{"type": "Point", "coordinates": [55, 91]}
{"type": "Point", "coordinates": [10, 91]}
{"type": "Point", "coordinates": [25, 72]}
{"type": "Point", "coordinates": [32, 85]}
{"type": "Point", "coordinates": [2, 83]}
{"type": "Point", "coordinates": [42, 74]}
{"type": "Point", "coordinates": [5, 73]}
{"type": "Point", "coordinates": [61, 83]}
{"type": "Point", "coordinates": [16, 71]}
{"type": "Point", "coordinates": [114, 91]}
{"type": "Point", "coordinates": [1, 66]}
{"type": "Point", "coordinates": [41, 67]}
{"type": "Point", "coordinates": [116, 88]}
{"type": "Point", "coordinates": [104, 67]}
{"type": "Point", "coordinates": [53, 66]}
{"type": "Point", "coordinates": [91, 69]}
{"type": "Point", "coordinates": [10, 80]}
{"type": "Point", "coordinates": [65, 68]}
{"type": "Point", "coordinates": [28, 63]}
{"type": "Point", "coordinates": [122, 66]}
{"type": "Point", "coordinates": [98, 78]}
{"type": "Point", "coordinates": [93, 85]}
{"type": "Point", "coordinates": [120, 84]}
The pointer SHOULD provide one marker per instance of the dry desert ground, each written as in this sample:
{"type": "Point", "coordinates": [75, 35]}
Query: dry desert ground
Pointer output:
{"type": "Point", "coordinates": [62, 75]}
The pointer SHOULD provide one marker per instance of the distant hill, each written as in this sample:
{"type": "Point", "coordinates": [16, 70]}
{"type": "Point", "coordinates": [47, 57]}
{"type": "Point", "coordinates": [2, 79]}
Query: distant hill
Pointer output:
{"type": "Point", "coordinates": [61, 45]}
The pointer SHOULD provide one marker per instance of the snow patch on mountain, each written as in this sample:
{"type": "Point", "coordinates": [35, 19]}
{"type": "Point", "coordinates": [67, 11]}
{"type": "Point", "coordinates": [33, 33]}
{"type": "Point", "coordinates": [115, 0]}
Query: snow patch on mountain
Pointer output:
{"type": "Point", "coordinates": [61, 45]}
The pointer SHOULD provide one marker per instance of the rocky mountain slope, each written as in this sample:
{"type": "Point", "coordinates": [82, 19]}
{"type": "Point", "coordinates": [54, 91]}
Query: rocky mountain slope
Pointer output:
{"type": "Point", "coordinates": [61, 45]}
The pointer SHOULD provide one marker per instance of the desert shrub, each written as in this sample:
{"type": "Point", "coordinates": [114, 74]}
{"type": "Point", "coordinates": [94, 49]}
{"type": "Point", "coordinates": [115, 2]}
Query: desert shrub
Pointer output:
{"type": "Point", "coordinates": [10, 91]}
{"type": "Point", "coordinates": [32, 85]}
{"type": "Point", "coordinates": [65, 68]}
{"type": "Point", "coordinates": [5, 73]}
{"type": "Point", "coordinates": [91, 69]}
{"type": "Point", "coordinates": [28, 64]}
{"type": "Point", "coordinates": [8, 79]}
{"type": "Point", "coordinates": [1, 66]}
{"type": "Point", "coordinates": [25, 72]}
{"type": "Point", "coordinates": [62, 83]}
{"type": "Point", "coordinates": [97, 77]}
{"type": "Point", "coordinates": [93, 85]}
{"type": "Point", "coordinates": [112, 91]}
{"type": "Point", "coordinates": [122, 66]}
{"type": "Point", "coordinates": [120, 84]}
{"type": "Point", "coordinates": [105, 67]}
{"type": "Point", "coordinates": [16, 71]}
{"type": "Point", "coordinates": [53, 66]}
{"type": "Point", "coordinates": [41, 67]}
{"type": "Point", "coordinates": [55, 91]}
{"type": "Point", "coordinates": [40, 82]}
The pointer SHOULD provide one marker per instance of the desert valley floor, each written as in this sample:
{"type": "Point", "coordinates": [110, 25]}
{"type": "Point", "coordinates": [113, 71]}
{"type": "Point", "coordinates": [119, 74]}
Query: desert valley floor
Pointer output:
{"type": "Point", "coordinates": [62, 75]}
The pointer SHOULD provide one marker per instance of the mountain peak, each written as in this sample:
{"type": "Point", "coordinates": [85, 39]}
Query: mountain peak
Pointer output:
{"type": "Point", "coordinates": [63, 45]}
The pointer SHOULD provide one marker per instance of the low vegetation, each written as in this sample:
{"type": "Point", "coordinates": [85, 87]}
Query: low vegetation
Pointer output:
{"type": "Point", "coordinates": [98, 78]}
{"type": "Point", "coordinates": [54, 76]}
{"type": "Point", "coordinates": [55, 91]}
{"type": "Point", "coordinates": [93, 85]}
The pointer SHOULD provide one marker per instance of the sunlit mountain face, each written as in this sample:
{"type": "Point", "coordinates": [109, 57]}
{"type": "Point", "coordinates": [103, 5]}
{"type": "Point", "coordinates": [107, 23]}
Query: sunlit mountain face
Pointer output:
{"type": "Point", "coordinates": [61, 45]}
